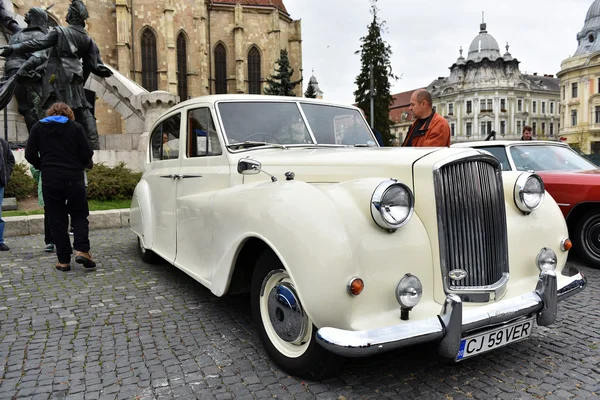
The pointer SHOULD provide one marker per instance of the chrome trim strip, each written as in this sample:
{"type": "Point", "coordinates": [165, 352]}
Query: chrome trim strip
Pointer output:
{"type": "Point", "coordinates": [563, 205]}
{"type": "Point", "coordinates": [446, 326]}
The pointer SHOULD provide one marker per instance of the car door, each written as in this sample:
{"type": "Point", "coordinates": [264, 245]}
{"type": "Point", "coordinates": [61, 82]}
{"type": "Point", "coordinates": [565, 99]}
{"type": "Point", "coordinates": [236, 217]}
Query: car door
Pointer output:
{"type": "Point", "coordinates": [204, 171]}
{"type": "Point", "coordinates": [161, 175]}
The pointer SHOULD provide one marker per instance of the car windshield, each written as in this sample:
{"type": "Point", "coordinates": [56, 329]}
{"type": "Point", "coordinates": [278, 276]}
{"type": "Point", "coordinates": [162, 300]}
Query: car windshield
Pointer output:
{"type": "Point", "coordinates": [500, 153]}
{"type": "Point", "coordinates": [548, 158]}
{"type": "Point", "coordinates": [282, 123]}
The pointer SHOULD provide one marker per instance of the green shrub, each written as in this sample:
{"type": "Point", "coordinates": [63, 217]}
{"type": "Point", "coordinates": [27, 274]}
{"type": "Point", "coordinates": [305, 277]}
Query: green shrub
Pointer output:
{"type": "Point", "coordinates": [21, 184]}
{"type": "Point", "coordinates": [105, 183]}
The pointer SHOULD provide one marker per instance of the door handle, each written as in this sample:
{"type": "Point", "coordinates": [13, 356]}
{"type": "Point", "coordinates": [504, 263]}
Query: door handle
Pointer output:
{"type": "Point", "coordinates": [189, 176]}
{"type": "Point", "coordinates": [171, 176]}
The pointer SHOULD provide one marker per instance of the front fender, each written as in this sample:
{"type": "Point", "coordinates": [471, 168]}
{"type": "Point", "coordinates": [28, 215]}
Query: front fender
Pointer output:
{"type": "Point", "coordinates": [324, 235]}
{"type": "Point", "coordinates": [141, 214]}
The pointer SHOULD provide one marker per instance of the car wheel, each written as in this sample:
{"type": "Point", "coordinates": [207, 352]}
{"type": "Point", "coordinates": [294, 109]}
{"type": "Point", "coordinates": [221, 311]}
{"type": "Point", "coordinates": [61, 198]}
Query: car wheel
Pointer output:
{"type": "Point", "coordinates": [587, 245]}
{"type": "Point", "coordinates": [146, 255]}
{"type": "Point", "coordinates": [285, 330]}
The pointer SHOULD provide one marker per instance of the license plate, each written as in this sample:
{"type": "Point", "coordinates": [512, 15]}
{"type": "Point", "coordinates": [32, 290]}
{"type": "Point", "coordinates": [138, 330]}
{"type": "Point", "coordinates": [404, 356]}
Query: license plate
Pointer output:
{"type": "Point", "coordinates": [493, 339]}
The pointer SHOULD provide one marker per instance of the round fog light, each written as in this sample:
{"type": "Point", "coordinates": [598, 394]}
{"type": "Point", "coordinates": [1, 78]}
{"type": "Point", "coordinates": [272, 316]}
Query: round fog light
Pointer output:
{"type": "Point", "coordinates": [546, 260]}
{"type": "Point", "coordinates": [409, 291]}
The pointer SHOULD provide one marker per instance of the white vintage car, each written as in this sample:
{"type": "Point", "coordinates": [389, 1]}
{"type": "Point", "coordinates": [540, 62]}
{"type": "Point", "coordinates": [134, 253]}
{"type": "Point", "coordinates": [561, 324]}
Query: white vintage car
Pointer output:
{"type": "Point", "coordinates": [348, 249]}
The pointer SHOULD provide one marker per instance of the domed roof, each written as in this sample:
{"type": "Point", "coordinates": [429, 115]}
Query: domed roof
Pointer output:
{"type": "Point", "coordinates": [592, 19]}
{"type": "Point", "coordinates": [484, 46]}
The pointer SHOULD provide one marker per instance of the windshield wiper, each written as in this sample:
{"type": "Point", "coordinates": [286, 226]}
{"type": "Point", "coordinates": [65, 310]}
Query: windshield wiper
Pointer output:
{"type": "Point", "coordinates": [248, 144]}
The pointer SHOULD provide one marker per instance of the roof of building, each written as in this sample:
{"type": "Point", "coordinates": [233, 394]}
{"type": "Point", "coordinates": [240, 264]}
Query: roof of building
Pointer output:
{"type": "Point", "coordinates": [402, 99]}
{"type": "Point", "coordinates": [543, 82]}
{"type": "Point", "coordinates": [263, 3]}
{"type": "Point", "coordinates": [592, 19]}
{"type": "Point", "coordinates": [484, 46]}
{"type": "Point", "coordinates": [399, 110]}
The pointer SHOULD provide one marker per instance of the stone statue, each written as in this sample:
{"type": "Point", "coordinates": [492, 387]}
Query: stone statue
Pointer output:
{"type": "Point", "coordinates": [29, 70]}
{"type": "Point", "coordinates": [7, 21]}
{"type": "Point", "coordinates": [73, 55]}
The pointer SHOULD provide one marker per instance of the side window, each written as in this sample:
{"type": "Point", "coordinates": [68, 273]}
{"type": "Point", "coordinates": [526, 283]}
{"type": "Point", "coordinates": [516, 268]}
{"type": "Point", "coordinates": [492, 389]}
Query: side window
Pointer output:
{"type": "Point", "coordinates": [202, 136]}
{"type": "Point", "coordinates": [165, 139]}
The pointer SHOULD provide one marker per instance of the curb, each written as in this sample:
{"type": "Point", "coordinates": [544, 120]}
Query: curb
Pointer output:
{"type": "Point", "coordinates": [34, 224]}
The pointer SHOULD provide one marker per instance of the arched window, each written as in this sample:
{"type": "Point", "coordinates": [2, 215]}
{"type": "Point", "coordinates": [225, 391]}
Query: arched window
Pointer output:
{"type": "Point", "coordinates": [254, 85]}
{"type": "Point", "coordinates": [182, 83]}
{"type": "Point", "coordinates": [149, 62]}
{"type": "Point", "coordinates": [220, 69]}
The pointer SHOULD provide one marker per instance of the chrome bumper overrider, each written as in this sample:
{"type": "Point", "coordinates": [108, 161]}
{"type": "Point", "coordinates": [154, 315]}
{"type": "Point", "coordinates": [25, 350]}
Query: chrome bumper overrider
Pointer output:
{"type": "Point", "coordinates": [452, 323]}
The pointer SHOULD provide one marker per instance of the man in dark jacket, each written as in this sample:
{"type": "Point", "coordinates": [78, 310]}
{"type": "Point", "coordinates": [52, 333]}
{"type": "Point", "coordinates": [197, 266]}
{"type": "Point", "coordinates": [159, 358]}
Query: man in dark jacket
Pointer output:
{"type": "Point", "coordinates": [7, 162]}
{"type": "Point", "coordinates": [58, 147]}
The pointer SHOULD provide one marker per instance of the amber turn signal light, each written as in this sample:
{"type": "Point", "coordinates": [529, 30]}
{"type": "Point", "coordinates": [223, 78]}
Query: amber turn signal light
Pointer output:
{"type": "Point", "coordinates": [355, 286]}
{"type": "Point", "coordinates": [566, 245]}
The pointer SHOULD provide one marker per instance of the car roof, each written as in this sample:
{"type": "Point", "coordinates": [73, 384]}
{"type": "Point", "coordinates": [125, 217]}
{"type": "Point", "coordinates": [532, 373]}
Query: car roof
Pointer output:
{"type": "Point", "coordinates": [506, 143]}
{"type": "Point", "coordinates": [257, 98]}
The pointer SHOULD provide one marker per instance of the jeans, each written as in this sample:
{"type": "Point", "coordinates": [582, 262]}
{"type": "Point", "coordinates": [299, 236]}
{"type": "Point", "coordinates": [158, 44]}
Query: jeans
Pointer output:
{"type": "Point", "coordinates": [1, 220]}
{"type": "Point", "coordinates": [63, 198]}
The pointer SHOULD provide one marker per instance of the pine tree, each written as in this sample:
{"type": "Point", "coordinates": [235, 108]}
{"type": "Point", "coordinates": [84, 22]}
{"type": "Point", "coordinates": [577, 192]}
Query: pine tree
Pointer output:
{"type": "Point", "coordinates": [375, 51]}
{"type": "Point", "coordinates": [310, 93]}
{"type": "Point", "coordinates": [281, 84]}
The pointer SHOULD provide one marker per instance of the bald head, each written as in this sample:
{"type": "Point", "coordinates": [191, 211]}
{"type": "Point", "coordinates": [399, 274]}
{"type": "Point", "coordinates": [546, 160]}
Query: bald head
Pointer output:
{"type": "Point", "coordinates": [421, 104]}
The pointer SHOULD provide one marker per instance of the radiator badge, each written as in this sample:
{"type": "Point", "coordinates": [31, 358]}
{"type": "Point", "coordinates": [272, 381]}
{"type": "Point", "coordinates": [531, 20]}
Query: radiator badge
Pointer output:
{"type": "Point", "coordinates": [458, 274]}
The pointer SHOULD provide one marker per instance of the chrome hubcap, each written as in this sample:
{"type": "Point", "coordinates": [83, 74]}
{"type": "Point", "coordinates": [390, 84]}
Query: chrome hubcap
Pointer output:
{"type": "Point", "coordinates": [592, 235]}
{"type": "Point", "coordinates": [286, 314]}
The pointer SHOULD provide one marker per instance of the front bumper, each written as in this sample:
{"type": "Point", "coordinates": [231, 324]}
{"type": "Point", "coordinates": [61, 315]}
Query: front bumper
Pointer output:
{"type": "Point", "coordinates": [453, 323]}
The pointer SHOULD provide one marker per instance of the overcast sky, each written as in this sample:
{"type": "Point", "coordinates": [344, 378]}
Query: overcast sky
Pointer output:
{"type": "Point", "coordinates": [426, 35]}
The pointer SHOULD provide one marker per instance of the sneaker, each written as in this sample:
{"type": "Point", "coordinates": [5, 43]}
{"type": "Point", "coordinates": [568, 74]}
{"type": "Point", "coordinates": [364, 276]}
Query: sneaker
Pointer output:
{"type": "Point", "coordinates": [49, 248]}
{"type": "Point", "coordinates": [85, 258]}
{"type": "Point", "coordinates": [4, 247]}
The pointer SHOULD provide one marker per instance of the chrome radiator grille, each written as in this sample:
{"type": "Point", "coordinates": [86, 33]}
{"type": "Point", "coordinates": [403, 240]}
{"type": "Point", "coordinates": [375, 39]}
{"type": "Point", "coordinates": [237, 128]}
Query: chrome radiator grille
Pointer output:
{"type": "Point", "coordinates": [472, 224]}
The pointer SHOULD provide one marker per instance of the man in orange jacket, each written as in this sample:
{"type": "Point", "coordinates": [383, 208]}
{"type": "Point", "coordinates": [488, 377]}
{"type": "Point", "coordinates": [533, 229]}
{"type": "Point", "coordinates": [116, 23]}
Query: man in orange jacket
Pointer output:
{"type": "Point", "coordinates": [430, 129]}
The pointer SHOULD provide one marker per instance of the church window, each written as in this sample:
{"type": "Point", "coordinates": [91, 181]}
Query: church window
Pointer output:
{"type": "Point", "coordinates": [469, 106]}
{"type": "Point", "coordinates": [551, 108]}
{"type": "Point", "coordinates": [573, 117]}
{"type": "Point", "coordinates": [469, 129]}
{"type": "Point", "coordinates": [220, 69]}
{"type": "Point", "coordinates": [502, 104]}
{"type": "Point", "coordinates": [503, 128]}
{"type": "Point", "coordinates": [534, 107]}
{"type": "Point", "coordinates": [489, 105]}
{"type": "Point", "coordinates": [534, 128]}
{"type": "Point", "coordinates": [551, 128]}
{"type": "Point", "coordinates": [182, 82]}
{"type": "Point", "coordinates": [254, 84]}
{"type": "Point", "coordinates": [149, 61]}
{"type": "Point", "coordinates": [543, 107]}
{"type": "Point", "coordinates": [543, 128]}
{"type": "Point", "coordinates": [519, 127]}
{"type": "Point", "coordinates": [574, 92]}
{"type": "Point", "coordinates": [482, 105]}
{"type": "Point", "coordinates": [597, 112]}
{"type": "Point", "coordinates": [451, 109]}
{"type": "Point", "coordinates": [520, 105]}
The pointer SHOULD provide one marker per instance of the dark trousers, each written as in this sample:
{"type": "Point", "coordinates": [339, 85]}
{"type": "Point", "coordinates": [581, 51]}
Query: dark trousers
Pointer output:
{"type": "Point", "coordinates": [47, 233]}
{"type": "Point", "coordinates": [63, 198]}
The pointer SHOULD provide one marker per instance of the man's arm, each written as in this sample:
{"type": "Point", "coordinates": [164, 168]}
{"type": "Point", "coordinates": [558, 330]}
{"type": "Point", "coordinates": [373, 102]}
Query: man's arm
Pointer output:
{"type": "Point", "coordinates": [32, 150]}
{"type": "Point", "coordinates": [31, 46]}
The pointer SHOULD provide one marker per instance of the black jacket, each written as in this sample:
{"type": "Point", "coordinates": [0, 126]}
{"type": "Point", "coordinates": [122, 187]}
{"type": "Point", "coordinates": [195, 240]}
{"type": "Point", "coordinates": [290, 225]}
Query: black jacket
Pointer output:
{"type": "Point", "coordinates": [59, 149]}
{"type": "Point", "coordinates": [7, 162]}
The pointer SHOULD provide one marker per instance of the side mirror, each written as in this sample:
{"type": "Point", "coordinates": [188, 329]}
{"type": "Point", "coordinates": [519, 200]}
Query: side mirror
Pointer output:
{"type": "Point", "coordinates": [247, 166]}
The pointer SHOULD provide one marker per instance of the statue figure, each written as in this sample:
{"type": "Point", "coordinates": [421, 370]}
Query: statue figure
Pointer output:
{"type": "Point", "coordinates": [29, 70]}
{"type": "Point", "coordinates": [73, 55]}
{"type": "Point", "coordinates": [7, 21]}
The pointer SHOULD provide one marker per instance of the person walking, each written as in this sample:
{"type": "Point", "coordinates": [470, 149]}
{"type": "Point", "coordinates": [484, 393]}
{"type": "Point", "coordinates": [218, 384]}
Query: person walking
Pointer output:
{"type": "Point", "coordinates": [7, 163]}
{"type": "Point", "coordinates": [59, 148]}
{"type": "Point", "coordinates": [430, 129]}
{"type": "Point", "coordinates": [37, 176]}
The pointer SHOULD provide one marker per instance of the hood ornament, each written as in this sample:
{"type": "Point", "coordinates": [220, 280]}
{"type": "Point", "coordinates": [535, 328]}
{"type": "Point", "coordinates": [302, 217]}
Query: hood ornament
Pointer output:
{"type": "Point", "coordinates": [458, 274]}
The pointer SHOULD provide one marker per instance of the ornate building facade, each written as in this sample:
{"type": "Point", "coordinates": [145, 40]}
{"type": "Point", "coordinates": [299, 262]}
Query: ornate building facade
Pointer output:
{"type": "Point", "coordinates": [188, 48]}
{"type": "Point", "coordinates": [580, 87]}
{"type": "Point", "coordinates": [487, 92]}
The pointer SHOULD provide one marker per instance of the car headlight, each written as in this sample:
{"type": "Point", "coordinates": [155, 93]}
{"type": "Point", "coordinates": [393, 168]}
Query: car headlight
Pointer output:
{"type": "Point", "coordinates": [392, 204]}
{"type": "Point", "coordinates": [529, 192]}
{"type": "Point", "coordinates": [546, 260]}
{"type": "Point", "coordinates": [409, 291]}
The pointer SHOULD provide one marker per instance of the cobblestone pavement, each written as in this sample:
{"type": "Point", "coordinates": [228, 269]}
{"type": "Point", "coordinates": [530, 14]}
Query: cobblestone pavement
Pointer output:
{"type": "Point", "coordinates": [130, 330]}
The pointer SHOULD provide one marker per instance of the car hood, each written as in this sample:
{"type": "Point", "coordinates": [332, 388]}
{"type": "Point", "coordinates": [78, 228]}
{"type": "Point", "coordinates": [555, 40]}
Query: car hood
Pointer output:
{"type": "Point", "coordinates": [332, 165]}
{"type": "Point", "coordinates": [573, 177]}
